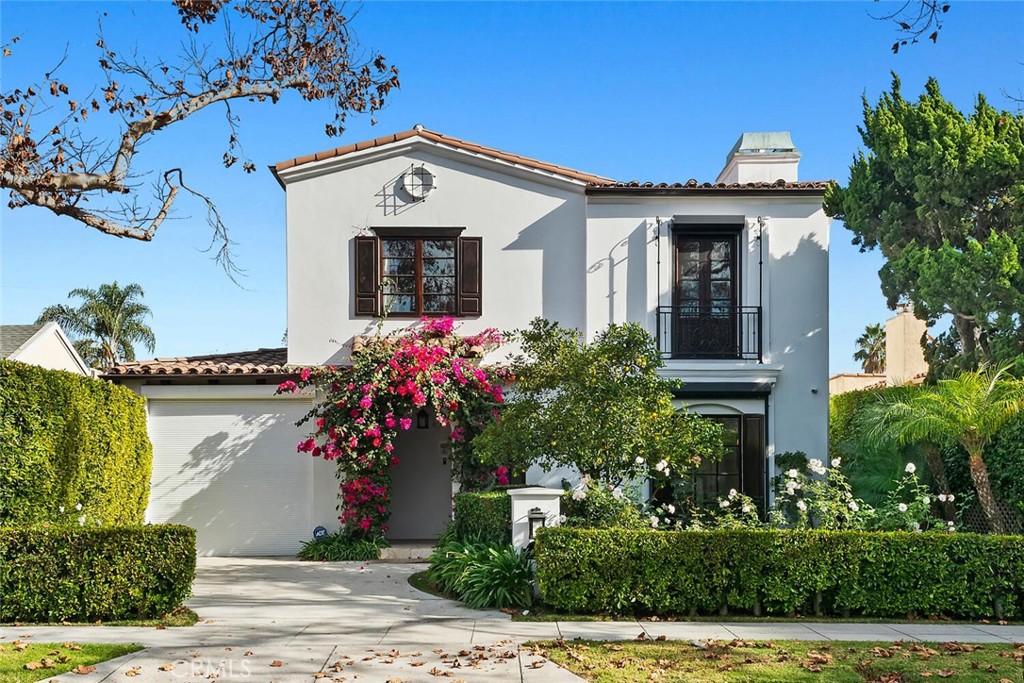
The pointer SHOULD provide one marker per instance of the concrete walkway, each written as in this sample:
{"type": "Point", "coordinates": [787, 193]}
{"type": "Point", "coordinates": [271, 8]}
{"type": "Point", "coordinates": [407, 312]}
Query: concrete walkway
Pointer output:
{"type": "Point", "coordinates": [283, 621]}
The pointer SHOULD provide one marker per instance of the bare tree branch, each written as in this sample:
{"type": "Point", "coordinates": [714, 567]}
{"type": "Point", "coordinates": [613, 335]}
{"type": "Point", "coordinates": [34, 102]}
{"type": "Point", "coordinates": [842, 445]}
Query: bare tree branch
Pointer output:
{"type": "Point", "coordinates": [267, 48]}
{"type": "Point", "coordinates": [914, 19]}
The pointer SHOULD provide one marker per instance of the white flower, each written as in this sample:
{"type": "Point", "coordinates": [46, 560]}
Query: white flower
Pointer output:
{"type": "Point", "coordinates": [792, 486]}
{"type": "Point", "coordinates": [585, 480]}
{"type": "Point", "coordinates": [639, 460]}
{"type": "Point", "coordinates": [671, 509]}
{"type": "Point", "coordinates": [950, 527]}
{"type": "Point", "coordinates": [617, 493]}
{"type": "Point", "coordinates": [561, 519]}
{"type": "Point", "coordinates": [854, 506]}
{"type": "Point", "coordinates": [747, 509]}
{"type": "Point", "coordinates": [949, 498]}
{"type": "Point", "coordinates": [723, 504]}
{"type": "Point", "coordinates": [81, 521]}
{"type": "Point", "coordinates": [61, 508]}
{"type": "Point", "coordinates": [79, 507]}
{"type": "Point", "coordinates": [813, 462]}
{"type": "Point", "coordinates": [942, 497]}
{"type": "Point", "coordinates": [926, 500]}
{"type": "Point", "coordinates": [579, 494]}
{"type": "Point", "coordinates": [654, 521]}
{"type": "Point", "coordinates": [910, 468]}
{"type": "Point", "coordinates": [792, 474]}
{"type": "Point", "coordinates": [902, 507]}
{"type": "Point", "coordinates": [732, 494]}
{"type": "Point", "coordinates": [916, 527]}
{"type": "Point", "coordinates": [801, 506]}
{"type": "Point", "coordinates": [661, 466]}
{"type": "Point", "coordinates": [836, 462]}
{"type": "Point", "coordinates": [667, 471]}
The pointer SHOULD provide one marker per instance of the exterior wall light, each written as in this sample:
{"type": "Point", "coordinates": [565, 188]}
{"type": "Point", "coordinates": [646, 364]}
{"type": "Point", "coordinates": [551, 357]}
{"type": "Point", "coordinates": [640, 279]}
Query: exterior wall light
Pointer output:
{"type": "Point", "coordinates": [537, 520]}
{"type": "Point", "coordinates": [422, 419]}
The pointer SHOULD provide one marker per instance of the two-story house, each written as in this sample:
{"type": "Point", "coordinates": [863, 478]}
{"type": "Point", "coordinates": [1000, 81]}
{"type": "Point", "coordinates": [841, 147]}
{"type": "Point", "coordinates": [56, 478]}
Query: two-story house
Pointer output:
{"type": "Point", "coordinates": [731, 277]}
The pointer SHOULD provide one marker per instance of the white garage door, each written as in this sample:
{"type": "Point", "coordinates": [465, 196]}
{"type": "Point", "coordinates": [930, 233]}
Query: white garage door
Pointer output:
{"type": "Point", "coordinates": [229, 469]}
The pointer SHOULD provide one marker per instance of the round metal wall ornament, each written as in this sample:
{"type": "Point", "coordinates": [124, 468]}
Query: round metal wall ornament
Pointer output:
{"type": "Point", "coordinates": [418, 182]}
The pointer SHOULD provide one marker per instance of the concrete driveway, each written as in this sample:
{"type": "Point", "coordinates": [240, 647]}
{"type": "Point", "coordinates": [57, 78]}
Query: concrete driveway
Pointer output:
{"type": "Point", "coordinates": [281, 620]}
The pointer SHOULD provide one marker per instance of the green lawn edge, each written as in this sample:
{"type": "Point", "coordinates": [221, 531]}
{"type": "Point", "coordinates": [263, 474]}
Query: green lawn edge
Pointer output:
{"type": "Point", "coordinates": [13, 659]}
{"type": "Point", "coordinates": [180, 617]}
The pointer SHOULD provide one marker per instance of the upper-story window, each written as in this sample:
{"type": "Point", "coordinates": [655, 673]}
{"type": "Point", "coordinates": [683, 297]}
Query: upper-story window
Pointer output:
{"type": "Point", "coordinates": [418, 272]}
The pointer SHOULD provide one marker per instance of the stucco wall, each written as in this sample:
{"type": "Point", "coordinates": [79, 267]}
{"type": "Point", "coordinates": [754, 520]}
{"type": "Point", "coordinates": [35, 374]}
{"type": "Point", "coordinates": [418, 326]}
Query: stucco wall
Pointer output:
{"type": "Point", "coordinates": [48, 350]}
{"type": "Point", "coordinates": [532, 245]}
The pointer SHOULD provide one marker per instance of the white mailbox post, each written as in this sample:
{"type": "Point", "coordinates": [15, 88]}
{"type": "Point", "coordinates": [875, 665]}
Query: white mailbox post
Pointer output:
{"type": "Point", "coordinates": [544, 503]}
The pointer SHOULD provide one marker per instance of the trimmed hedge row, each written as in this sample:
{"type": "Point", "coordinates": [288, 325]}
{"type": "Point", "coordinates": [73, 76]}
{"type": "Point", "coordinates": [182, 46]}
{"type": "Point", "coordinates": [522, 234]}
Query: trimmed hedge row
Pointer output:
{"type": "Point", "coordinates": [486, 516]}
{"type": "Point", "coordinates": [70, 440]}
{"type": "Point", "coordinates": [52, 574]}
{"type": "Point", "coordinates": [781, 572]}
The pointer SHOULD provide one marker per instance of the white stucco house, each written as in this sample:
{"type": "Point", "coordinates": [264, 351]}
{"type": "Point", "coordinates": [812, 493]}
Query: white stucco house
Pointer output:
{"type": "Point", "coordinates": [42, 344]}
{"type": "Point", "coordinates": [731, 277]}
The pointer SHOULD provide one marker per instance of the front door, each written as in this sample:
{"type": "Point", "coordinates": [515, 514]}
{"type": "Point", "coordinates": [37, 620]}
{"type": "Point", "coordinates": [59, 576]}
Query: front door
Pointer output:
{"type": "Point", "coordinates": [705, 315]}
{"type": "Point", "coordinates": [421, 484]}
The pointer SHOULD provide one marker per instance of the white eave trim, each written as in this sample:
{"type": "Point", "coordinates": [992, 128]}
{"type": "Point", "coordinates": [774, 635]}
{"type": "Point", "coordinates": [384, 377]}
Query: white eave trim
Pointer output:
{"type": "Point", "coordinates": [313, 169]}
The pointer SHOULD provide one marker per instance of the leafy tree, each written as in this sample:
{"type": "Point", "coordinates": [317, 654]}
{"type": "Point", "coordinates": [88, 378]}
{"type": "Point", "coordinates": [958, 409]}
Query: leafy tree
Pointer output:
{"type": "Point", "coordinates": [600, 407]}
{"type": "Point", "coordinates": [107, 324]}
{"type": "Point", "coordinates": [55, 153]}
{"type": "Point", "coordinates": [939, 193]}
{"type": "Point", "coordinates": [871, 349]}
{"type": "Point", "coordinates": [968, 409]}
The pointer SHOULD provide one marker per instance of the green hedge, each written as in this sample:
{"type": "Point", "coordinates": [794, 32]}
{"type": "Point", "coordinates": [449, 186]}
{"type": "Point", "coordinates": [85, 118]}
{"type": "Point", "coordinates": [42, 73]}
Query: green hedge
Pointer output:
{"type": "Point", "coordinates": [486, 516]}
{"type": "Point", "coordinates": [781, 572]}
{"type": "Point", "coordinates": [52, 574]}
{"type": "Point", "coordinates": [70, 440]}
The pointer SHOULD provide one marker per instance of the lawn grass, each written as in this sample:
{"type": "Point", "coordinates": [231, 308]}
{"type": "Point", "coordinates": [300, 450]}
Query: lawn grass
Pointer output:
{"type": "Point", "coordinates": [182, 616]}
{"type": "Point", "coordinates": [786, 661]}
{"type": "Point", "coordinates": [46, 660]}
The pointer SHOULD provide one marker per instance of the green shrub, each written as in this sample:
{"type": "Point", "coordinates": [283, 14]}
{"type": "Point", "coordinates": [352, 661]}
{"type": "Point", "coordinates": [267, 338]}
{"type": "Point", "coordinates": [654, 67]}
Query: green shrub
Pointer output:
{"type": "Point", "coordinates": [340, 547]}
{"type": "Point", "coordinates": [781, 572]}
{"type": "Point", "coordinates": [52, 574]}
{"type": "Point", "coordinates": [599, 509]}
{"type": "Point", "coordinates": [483, 515]}
{"type": "Point", "coordinates": [70, 440]}
{"type": "Point", "coordinates": [482, 573]}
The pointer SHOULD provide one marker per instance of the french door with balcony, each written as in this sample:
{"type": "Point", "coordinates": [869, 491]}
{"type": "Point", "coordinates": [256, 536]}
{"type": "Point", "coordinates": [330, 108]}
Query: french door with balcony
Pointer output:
{"type": "Point", "coordinates": [705, 322]}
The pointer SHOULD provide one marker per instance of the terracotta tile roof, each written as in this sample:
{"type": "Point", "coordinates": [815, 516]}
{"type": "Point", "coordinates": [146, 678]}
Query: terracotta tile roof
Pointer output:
{"type": "Point", "coordinates": [259, 362]}
{"type": "Point", "coordinates": [450, 141]}
{"type": "Point", "coordinates": [806, 186]}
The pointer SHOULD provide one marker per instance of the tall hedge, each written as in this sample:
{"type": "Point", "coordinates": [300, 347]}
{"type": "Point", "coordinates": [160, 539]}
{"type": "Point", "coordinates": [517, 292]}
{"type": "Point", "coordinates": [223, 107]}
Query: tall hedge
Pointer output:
{"type": "Point", "coordinates": [781, 572]}
{"type": "Point", "coordinates": [83, 574]}
{"type": "Point", "coordinates": [69, 440]}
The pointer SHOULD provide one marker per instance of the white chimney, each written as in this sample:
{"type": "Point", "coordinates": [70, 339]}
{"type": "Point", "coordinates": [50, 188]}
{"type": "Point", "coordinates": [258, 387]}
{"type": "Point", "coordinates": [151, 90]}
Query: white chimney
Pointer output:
{"type": "Point", "coordinates": [761, 158]}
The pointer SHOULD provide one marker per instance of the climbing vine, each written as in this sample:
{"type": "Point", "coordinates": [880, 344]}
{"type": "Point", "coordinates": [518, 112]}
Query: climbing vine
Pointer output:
{"type": "Point", "coordinates": [390, 381]}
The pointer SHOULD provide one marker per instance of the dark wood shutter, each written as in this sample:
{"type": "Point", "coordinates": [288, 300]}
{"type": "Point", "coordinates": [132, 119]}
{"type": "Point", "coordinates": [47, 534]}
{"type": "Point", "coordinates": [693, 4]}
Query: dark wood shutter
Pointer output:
{"type": "Point", "coordinates": [471, 276]}
{"type": "Point", "coordinates": [754, 462]}
{"type": "Point", "coordinates": [367, 276]}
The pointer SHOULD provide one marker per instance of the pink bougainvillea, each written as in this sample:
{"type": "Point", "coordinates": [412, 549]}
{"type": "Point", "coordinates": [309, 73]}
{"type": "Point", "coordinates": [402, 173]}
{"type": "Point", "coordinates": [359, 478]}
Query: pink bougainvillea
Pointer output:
{"type": "Point", "coordinates": [389, 381]}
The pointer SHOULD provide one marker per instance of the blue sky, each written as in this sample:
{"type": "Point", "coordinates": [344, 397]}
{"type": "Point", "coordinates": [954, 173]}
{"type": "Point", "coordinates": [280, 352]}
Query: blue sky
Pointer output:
{"type": "Point", "coordinates": [655, 91]}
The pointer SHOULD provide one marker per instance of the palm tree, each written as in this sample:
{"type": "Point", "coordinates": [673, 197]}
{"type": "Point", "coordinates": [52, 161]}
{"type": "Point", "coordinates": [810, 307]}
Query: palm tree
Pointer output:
{"type": "Point", "coordinates": [969, 409]}
{"type": "Point", "coordinates": [107, 324]}
{"type": "Point", "coordinates": [871, 349]}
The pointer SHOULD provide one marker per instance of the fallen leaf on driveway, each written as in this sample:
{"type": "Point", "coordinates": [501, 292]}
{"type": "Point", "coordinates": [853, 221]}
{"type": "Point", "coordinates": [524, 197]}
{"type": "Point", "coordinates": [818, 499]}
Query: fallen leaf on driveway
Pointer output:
{"type": "Point", "coordinates": [166, 667]}
{"type": "Point", "coordinates": [416, 663]}
{"type": "Point", "coordinates": [277, 662]}
{"type": "Point", "coordinates": [248, 653]}
{"type": "Point", "coordinates": [83, 669]}
{"type": "Point", "coordinates": [398, 680]}
{"type": "Point", "coordinates": [134, 671]}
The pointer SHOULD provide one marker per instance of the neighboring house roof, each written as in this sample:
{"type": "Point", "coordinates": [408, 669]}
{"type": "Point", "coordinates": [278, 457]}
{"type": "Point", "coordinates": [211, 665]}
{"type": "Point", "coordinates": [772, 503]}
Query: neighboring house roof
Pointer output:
{"type": "Point", "coordinates": [450, 141]}
{"type": "Point", "coordinates": [814, 187]}
{"type": "Point", "coordinates": [13, 337]}
{"type": "Point", "coordinates": [595, 183]}
{"type": "Point", "coordinates": [259, 362]}
{"type": "Point", "coordinates": [43, 344]}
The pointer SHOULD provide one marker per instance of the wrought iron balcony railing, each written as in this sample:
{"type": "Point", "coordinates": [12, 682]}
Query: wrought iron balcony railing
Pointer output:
{"type": "Point", "coordinates": [727, 332]}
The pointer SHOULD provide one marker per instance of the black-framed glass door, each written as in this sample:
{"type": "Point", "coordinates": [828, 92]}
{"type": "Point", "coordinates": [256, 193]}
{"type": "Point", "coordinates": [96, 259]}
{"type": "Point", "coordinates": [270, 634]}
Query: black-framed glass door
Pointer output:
{"type": "Point", "coordinates": [705, 320]}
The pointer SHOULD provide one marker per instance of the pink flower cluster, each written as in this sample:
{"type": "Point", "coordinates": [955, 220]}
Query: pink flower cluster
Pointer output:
{"type": "Point", "coordinates": [370, 402]}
